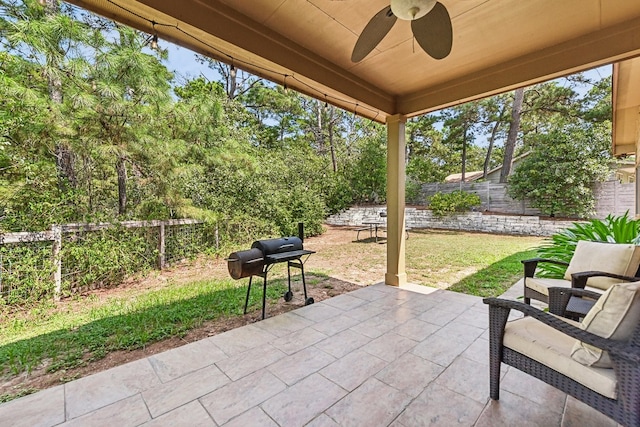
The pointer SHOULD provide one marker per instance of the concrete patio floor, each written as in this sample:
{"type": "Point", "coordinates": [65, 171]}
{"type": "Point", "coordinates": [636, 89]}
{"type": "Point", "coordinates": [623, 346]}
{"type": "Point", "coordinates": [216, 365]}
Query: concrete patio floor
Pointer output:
{"type": "Point", "coordinates": [378, 356]}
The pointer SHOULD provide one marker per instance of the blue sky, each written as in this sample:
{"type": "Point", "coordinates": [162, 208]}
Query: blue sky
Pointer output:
{"type": "Point", "coordinates": [183, 63]}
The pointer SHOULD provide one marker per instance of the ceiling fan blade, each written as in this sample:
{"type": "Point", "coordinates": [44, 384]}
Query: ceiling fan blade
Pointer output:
{"type": "Point", "coordinates": [434, 32]}
{"type": "Point", "coordinates": [373, 33]}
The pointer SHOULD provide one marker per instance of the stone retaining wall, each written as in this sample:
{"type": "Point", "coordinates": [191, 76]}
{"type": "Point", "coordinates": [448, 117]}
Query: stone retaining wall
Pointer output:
{"type": "Point", "coordinates": [471, 221]}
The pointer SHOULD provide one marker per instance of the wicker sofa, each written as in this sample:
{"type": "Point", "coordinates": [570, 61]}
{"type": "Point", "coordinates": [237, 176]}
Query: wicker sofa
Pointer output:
{"type": "Point", "coordinates": [559, 351]}
{"type": "Point", "coordinates": [599, 265]}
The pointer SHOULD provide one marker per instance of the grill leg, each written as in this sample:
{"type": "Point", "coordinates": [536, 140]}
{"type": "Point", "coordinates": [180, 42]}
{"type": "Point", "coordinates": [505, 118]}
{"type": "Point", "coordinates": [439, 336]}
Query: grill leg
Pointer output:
{"type": "Point", "coordinates": [289, 275]}
{"type": "Point", "coordinates": [304, 283]}
{"type": "Point", "coordinates": [246, 301]}
{"type": "Point", "coordinates": [264, 294]}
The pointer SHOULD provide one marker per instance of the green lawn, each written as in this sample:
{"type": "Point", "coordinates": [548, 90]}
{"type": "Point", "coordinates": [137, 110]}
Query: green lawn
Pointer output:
{"type": "Point", "coordinates": [473, 263]}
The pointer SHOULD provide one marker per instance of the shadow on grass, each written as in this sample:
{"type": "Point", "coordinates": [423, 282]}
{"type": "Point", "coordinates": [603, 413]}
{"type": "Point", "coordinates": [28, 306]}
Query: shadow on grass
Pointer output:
{"type": "Point", "coordinates": [153, 317]}
{"type": "Point", "coordinates": [494, 280]}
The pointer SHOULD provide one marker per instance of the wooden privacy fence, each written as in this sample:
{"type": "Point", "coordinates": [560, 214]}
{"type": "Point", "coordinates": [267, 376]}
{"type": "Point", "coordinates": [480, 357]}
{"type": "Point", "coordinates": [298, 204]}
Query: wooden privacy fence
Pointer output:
{"type": "Point", "coordinates": [55, 236]}
{"type": "Point", "coordinates": [611, 197]}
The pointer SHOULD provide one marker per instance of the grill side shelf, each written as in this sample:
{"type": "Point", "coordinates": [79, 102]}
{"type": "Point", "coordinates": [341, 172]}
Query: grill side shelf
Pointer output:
{"type": "Point", "coordinates": [287, 256]}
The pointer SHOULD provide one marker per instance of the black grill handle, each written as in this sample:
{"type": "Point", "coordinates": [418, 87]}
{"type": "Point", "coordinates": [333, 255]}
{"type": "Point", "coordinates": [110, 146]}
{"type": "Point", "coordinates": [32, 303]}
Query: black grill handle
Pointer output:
{"type": "Point", "coordinates": [290, 245]}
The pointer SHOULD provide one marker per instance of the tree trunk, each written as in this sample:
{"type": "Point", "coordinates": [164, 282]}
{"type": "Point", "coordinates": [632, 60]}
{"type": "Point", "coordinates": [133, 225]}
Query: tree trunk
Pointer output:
{"type": "Point", "coordinates": [331, 124]}
{"type": "Point", "coordinates": [492, 139]}
{"type": "Point", "coordinates": [65, 160]}
{"type": "Point", "coordinates": [319, 133]}
{"type": "Point", "coordinates": [514, 128]}
{"type": "Point", "coordinates": [233, 82]}
{"type": "Point", "coordinates": [121, 169]}
{"type": "Point", "coordinates": [464, 155]}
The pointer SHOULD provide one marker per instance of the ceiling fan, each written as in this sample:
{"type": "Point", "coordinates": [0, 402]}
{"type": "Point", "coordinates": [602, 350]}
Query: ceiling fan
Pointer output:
{"type": "Point", "coordinates": [430, 24]}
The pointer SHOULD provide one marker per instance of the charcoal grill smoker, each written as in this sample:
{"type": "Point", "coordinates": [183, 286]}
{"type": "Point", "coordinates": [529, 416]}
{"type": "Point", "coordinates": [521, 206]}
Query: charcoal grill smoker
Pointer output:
{"type": "Point", "coordinates": [262, 256]}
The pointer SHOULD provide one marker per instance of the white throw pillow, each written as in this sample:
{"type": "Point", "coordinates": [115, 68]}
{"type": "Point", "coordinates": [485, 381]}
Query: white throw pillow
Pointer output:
{"type": "Point", "coordinates": [615, 315]}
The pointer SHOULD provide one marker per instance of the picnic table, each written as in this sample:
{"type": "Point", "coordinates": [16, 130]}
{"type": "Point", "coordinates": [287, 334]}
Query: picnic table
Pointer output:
{"type": "Point", "coordinates": [372, 227]}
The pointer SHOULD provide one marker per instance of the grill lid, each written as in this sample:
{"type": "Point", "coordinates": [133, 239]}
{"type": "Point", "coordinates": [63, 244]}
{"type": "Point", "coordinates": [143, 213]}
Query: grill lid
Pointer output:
{"type": "Point", "coordinates": [278, 246]}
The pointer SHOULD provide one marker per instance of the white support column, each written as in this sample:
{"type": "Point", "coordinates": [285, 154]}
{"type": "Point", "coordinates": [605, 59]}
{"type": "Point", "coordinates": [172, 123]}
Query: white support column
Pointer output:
{"type": "Point", "coordinates": [396, 275]}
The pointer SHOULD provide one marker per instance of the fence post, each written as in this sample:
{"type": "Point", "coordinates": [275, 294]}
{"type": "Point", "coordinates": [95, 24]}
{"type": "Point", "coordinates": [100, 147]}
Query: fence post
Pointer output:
{"type": "Point", "coordinates": [161, 248]}
{"type": "Point", "coordinates": [57, 261]}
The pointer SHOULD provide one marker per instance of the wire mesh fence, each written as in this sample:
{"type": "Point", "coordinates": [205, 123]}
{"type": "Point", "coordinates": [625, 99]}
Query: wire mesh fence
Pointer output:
{"type": "Point", "coordinates": [100, 258]}
{"type": "Point", "coordinates": [26, 271]}
{"type": "Point", "coordinates": [73, 258]}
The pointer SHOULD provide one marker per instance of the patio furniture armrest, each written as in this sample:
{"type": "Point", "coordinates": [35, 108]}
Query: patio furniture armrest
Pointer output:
{"type": "Point", "coordinates": [620, 349]}
{"type": "Point", "coordinates": [559, 298]}
{"type": "Point", "coordinates": [530, 265]}
{"type": "Point", "coordinates": [579, 280]}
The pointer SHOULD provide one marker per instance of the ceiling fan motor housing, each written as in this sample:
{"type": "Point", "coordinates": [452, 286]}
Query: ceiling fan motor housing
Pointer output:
{"type": "Point", "coordinates": [409, 10]}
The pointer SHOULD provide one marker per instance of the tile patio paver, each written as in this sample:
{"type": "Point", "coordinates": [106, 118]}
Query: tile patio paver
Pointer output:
{"type": "Point", "coordinates": [378, 356]}
{"type": "Point", "coordinates": [105, 388]}
{"type": "Point", "coordinates": [302, 402]}
{"type": "Point", "coordinates": [292, 369]}
{"type": "Point", "coordinates": [373, 403]}
{"type": "Point", "coordinates": [168, 396]}
{"type": "Point", "coordinates": [180, 361]}
{"type": "Point", "coordinates": [242, 395]}
{"type": "Point", "coordinates": [20, 413]}
{"type": "Point", "coordinates": [439, 406]}
{"type": "Point", "coordinates": [191, 414]}
{"type": "Point", "coordinates": [129, 412]}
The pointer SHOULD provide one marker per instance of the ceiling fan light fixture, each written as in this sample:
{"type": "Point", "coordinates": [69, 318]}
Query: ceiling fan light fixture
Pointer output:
{"type": "Point", "coordinates": [410, 10]}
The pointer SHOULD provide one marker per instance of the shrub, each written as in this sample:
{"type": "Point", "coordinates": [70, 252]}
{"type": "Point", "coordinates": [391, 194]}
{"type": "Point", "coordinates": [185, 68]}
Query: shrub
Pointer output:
{"type": "Point", "coordinates": [412, 190]}
{"type": "Point", "coordinates": [562, 245]}
{"type": "Point", "coordinates": [442, 204]}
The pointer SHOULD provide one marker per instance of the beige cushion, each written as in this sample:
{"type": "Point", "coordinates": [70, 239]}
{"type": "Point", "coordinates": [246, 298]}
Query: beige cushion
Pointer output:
{"type": "Point", "coordinates": [542, 284]}
{"type": "Point", "coordinates": [617, 258]}
{"type": "Point", "coordinates": [552, 348]}
{"type": "Point", "coordinates": [615, 315]}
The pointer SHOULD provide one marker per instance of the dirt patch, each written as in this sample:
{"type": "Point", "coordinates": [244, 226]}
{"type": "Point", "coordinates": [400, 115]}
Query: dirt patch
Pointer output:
{"type": "Point", "coordinates": [319, 288]}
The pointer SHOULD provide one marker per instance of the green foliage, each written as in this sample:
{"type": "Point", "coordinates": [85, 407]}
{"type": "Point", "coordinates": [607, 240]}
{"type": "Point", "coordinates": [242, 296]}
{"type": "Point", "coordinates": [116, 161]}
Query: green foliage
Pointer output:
{"type": "Point", "coordinates": [442, 204]}
{"type": "Point", "coordinates": [412, 190]}
{"type": "Point", "coordinates": [105, 257]}
{"type": "Point", "coordinates": [561, 246]}
{"type": "Point", "coordinates": [25, 272]}
{"type": "Point", "coordinates": [368, 174]}
{"type": "Point", "coordinates": [558, 174]}
{"type": "Point", "coordinates": [338, 194]}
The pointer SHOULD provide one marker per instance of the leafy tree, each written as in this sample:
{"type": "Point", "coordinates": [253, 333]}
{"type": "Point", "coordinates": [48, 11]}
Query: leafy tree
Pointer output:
{"type": "Point", "coordinates": [557, 176]}
{"type": "Point", "coordinates": [368, 174]}
{"type": "Point", "coordinates": [460, 123]}
{"type": "Point", "coordinates": [426, 153]}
